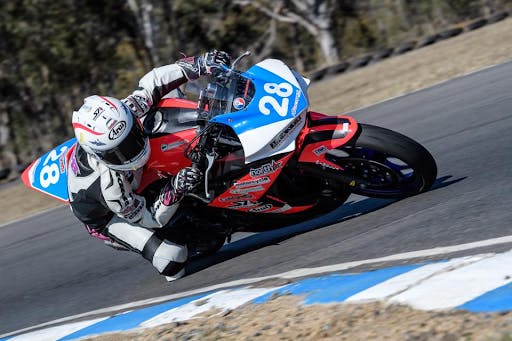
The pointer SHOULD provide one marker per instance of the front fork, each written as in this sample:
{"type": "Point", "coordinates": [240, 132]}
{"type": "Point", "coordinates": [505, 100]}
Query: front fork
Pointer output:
{"type": "Point", "coordinates": [206, 196]}
{"type": "Point", "coordinates": [210, 158]}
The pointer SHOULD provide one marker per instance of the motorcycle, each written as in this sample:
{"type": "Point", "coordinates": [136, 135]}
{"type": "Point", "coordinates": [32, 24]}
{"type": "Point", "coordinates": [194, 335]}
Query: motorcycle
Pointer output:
{"type": "Point", "coordinates": [267, 160]}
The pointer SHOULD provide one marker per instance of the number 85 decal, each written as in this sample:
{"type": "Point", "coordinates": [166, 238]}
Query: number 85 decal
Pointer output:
{"type": "Point", "coordinates": [50, 173]}
{"type": "Point", "coordinates": [283, 90]}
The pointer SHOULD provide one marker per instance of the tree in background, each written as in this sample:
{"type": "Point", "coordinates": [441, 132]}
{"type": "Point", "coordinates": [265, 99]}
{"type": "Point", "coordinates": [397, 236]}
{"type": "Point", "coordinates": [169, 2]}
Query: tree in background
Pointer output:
{"type": "Point", "coordinates": [53, 53]}
{"type": "Point", "coordinates": [316, 17]}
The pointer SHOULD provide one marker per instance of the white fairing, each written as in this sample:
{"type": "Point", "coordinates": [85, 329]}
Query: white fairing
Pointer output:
{"type": "Point", "coordinates": [280, 69]}
{"type": "Point", "coordinates": [257, 143]}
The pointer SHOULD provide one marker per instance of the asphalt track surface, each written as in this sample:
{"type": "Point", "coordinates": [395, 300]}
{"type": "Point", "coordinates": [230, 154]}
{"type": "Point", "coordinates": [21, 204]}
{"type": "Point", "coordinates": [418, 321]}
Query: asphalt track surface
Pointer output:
{"type": "Point", "coordinates": [50, 268]}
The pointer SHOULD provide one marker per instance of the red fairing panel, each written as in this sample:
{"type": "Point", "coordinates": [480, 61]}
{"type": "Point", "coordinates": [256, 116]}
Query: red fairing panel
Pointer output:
{"type": "Point", "coordinates": [177, 103]}
{"type": "Point", "coordinates": [167, 156]}
{"type": "Point", "coordinates": [323, 133]}
{"type": "Point", "coordinates": [168, 151]}
{"type": "Point", "coordinates": [248, 193]}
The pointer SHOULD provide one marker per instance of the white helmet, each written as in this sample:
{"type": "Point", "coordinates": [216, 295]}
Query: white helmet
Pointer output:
{"type": "Point", "coordinates": [106, 128]}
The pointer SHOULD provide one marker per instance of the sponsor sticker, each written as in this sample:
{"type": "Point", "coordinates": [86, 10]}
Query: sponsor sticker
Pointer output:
{"type": "Point", "coordinates": [320, 150]}
{"type": "Point", "coordinates": [237, 197]}
{"type": "Point", "coordinates": [97, 143]}
{"type": "Point", "coordinates": [62, 164]}
{"type": "Point", "coordinates": [246, 190]}
{"type": "Point", "coordinates": [326, 165]}
{"type": "Point", "coordinates": [74, 165]}
{"type": "Point", "coordinates": [285, 133]}
{"type": "Point", "coordinates": [265, 169]}
{"type": "Point", "coordinates": [296, 102]}
{"type": "Point", "coordinates": [243, 204]}
{"type": "Point", "coordinates": [168, 146]}
{"type": "Point", "coordinates": [111, 123]}
{"type": "Point", "coordinates": [255, 182]}
{"type": "Point", "coordinates": [117, 130]}
{"type": "Point", "coordinates": [131, 211]}
{"type": "Point", "coordinates": [239, 103]}
{"type": "Point", "coordinates": [261, 208]}
{"type": "Point", "coordinates": [97, 113]}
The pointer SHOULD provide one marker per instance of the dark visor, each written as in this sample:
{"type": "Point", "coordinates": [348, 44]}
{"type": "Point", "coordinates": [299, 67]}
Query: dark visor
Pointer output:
{"type": "Point", "coordinates": [131, 146]}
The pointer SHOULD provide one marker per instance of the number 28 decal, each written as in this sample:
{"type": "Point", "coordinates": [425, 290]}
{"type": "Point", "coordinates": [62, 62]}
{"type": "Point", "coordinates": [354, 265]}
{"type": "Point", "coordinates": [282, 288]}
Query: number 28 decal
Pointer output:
{"type": "Point", "coordinates": [279, 105]}
{"type": "Point", "coordinates": [50, 173]}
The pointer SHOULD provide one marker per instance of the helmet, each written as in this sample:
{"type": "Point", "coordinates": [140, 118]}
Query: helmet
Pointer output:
{"type": "Point", "coordinates": [106, 128]}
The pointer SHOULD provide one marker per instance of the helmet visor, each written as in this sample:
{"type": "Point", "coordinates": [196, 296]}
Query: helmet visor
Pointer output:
{"type": "Point", "coordinates": [129, 150]}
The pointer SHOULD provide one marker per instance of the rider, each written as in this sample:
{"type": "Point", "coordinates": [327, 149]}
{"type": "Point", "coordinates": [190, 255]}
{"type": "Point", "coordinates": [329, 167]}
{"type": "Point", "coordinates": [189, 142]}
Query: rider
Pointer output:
{"type": "Point", "coordinates": [106, 167]}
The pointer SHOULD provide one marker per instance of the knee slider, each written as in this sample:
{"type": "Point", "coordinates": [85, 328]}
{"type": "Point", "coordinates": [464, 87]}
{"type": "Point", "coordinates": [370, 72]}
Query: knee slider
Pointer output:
{"type": "Point", "coordinates": [172, 268]}
{"type": "Point", "coordinates": [168, 255]}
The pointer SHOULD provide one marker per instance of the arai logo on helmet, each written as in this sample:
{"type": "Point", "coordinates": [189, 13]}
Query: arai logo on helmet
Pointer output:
{"type": "Point", "coordinates": [117, 130]}
{"type": "Point", "coordinates": [238, 103]}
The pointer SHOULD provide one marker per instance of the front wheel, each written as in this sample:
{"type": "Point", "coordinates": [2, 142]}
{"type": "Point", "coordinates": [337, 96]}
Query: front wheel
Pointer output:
{"type": "Point", "coordinates": [382, 163]}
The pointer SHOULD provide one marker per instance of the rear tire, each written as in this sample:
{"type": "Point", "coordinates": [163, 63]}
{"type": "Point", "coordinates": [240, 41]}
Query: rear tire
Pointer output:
{"type": "Point", "coordinates": [382, 163]}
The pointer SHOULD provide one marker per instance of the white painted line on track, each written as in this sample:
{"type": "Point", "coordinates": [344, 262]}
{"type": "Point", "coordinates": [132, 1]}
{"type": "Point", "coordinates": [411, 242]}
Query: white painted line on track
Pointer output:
{"type": "Point", "coordinates": [286, 275]}
{"type": "Point", "coordinates": [444, 291]}
{"type": "Point", "coordinates": [413, 278]}
{"type": "Point", "coordinates": [58, 332]}
{"type": "Point", "coordinates": [223, 300]}
{"type": "Point", "coordinates": [400, 256]}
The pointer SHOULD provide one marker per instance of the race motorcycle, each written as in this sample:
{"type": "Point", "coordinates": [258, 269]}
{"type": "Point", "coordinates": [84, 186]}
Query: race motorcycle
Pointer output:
{"type": "Point", "coordinates": [267, 161]}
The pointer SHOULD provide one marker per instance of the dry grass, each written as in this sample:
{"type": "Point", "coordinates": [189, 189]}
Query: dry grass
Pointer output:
{"type": "Point", "coordinates": [421, 68]}
{"type": "Point", "coordinates": [20, 201]}
{"type": "Point", "coordinates": [285, 318]}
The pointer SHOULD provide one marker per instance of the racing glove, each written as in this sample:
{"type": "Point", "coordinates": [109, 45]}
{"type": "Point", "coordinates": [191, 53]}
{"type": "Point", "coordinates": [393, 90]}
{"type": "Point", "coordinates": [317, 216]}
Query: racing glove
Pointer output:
{"type": "Point", "coordinates": [166, 204]}
{"type": "Point", "coordinates": [208, 63]}
{"type": "Point", "coordinates": [186, 180]}
{"type": "Point", "coordinates": [173, 191]}
{"type": "Point", "coordinates": [138, 105]}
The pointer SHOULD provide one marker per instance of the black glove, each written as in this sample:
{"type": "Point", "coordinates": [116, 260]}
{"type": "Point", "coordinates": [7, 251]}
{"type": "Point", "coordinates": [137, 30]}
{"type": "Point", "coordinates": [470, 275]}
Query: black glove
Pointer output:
{"type": "Point", "coordinates": [186, 180]}
{"type": "Point", "coordinates": [209, 63]}
{"type": "Point", "coordinates": [214, 58]}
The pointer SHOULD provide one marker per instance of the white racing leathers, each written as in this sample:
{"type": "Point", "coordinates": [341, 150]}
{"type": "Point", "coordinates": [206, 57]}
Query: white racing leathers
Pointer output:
{"type": "Point", "coordinates": [154, 86]}
{"type": "Point", "coordinates": [105, 201]}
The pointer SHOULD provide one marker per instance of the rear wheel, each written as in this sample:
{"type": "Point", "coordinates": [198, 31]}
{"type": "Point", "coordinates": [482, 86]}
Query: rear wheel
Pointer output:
{"type": "Point", "coordinates": [385, 164]}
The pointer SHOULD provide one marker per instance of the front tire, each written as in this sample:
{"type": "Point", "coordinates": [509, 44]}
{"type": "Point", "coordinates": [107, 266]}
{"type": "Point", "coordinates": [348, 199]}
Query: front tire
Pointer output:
{"type": "Point", "coordinates": [382, 163]}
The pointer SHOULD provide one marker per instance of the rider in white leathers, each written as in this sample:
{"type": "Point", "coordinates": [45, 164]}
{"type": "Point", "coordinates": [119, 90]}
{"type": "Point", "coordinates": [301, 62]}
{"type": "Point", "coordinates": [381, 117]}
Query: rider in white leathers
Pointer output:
{"type": "Point", "coordinates": [106, 167]}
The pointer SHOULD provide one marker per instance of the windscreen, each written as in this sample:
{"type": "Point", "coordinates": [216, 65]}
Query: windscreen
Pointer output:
{"type": "Point", "coordinates": [226, 96]}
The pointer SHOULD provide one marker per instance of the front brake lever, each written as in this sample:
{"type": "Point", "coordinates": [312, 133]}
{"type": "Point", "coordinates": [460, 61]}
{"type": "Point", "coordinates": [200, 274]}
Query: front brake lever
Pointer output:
{"type": "Point", "coordinates": [243, 55]}
{"type": "Point", "coordinates": [226, 71]}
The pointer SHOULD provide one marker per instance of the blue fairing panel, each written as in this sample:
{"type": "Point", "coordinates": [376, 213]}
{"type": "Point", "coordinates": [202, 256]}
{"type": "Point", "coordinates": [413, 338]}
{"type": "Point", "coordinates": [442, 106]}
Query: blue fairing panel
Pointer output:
{"type": "Point", "coordinates": [48, 174]}
{"type": "Point", "coordinates": [278, 97]}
